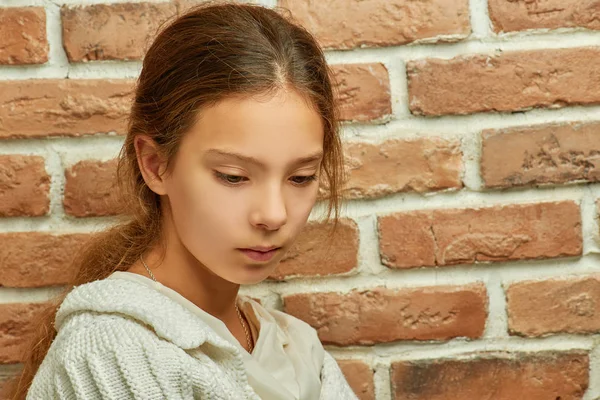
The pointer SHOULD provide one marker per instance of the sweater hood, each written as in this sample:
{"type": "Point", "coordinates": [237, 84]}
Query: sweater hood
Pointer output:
{"type": "Point", "coordinates": [168, 319]}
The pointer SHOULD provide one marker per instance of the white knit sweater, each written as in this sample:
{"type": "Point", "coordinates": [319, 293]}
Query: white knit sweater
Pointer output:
{"type": "Point", "coordinates": [119, 339]}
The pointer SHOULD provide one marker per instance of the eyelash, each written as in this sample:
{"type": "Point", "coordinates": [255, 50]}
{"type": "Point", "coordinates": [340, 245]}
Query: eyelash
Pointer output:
{"type": "Point", "coordinates": [223, 177]}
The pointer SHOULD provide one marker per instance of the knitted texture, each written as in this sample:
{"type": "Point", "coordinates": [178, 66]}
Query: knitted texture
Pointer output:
{"type": "Point", "coordinates": [119, 339]}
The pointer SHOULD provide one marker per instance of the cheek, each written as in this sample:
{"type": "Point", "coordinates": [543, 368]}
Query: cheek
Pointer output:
{"type": "Point", "coordinates": [300, 208]}
{"type": "Point", "coordinates": [202, 216]}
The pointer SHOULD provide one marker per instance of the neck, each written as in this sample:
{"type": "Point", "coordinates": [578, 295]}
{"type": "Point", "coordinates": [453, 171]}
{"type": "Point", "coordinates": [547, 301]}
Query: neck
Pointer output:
{"type": "Point", "coordinates": [180, 271]}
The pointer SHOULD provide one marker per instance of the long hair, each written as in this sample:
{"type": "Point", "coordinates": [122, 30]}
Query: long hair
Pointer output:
{"type": "Point", "coordinates": [213, 51]}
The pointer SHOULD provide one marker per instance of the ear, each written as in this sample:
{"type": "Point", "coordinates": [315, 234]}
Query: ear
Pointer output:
{"type": "Point", "coordinates": [151, 163]}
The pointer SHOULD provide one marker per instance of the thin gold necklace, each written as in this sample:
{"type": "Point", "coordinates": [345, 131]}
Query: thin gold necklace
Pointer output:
{"type": "Point", "coordinates": [248, 341]}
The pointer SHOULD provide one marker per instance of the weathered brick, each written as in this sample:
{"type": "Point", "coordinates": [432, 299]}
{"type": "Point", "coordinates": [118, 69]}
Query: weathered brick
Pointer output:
{"type": "Point", "coordinates": [121, 31]}
{"type": "Point", "coordinates": [501, 233]}
{"type": "Point", "coordinates": [42, 259]}
{"type": "Point", "coordinates": [314, 255]}
{"type": "Point", "coordinates": [90, 189]}
{"type": "Point", "coordinates": [511, 81]}
{"type": "Point", "coordinates": [184, 5]}
{"type": "Point", "coordinates": [16, 329]}
{"type": "Point", "coordinates": [541, 154]}
{"type": "Point", "coordinates": [539, 308]}
{"type": "Point", "coordinates": [360, 377]}
{"type": "Point", "coordinates": [70, 107]}
{"type": "Point", "coordinates": [520, 15]}
{"type": "Point", "coordinates": [24, 186]}
{"type": "Point", "coordinates": [363, 91]}
{"type": "Point", "coordinates": [382, 315]}
{"type": "Point", "coordinates": [23, 35]}
{"type": "Point", "coordinates": [503, 376]}
{"type": "Point", "coordinates": [419, 165]}
{"type": "Point", "coordinates": [342, 24]}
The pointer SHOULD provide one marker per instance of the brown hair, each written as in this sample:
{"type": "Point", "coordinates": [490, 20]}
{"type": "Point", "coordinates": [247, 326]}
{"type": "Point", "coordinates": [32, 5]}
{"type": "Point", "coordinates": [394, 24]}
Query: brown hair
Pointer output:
{"type": "Point", "coordinates": [213, 51]}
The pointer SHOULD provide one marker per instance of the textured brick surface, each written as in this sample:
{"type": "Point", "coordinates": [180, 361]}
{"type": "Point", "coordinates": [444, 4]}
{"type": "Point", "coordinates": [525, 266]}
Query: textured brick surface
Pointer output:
{"type": "Point", "coordinates": [345, 24]}
{"type": "Point", "coordinates": [314, 255]}
{"type": "Point", "coordinates": [91, 190]}
{"type": "Point", "coordinates": [538, 308]}
{"type": "Point", "coordinates": [112, 31]}
{"type": "Point", "coordinates": [507, 15]}
{"type": "Point", "coordinates": [360, 377]}
{"type": "Point", "coordinates": [420, 165]}
{"type": "Point", "coordinates": [432, 182]}
{"type": "Point", "coordinates": [16, 328]}
{"type": "Point", "coordinates": [33, 259]}
{"type": "Point", "coordinates": [508, 81]}
{"type": "Point", "coordinates": [508, 376]}
{"type": "Point", "coordinates": [541, 154]}
{"type": "Point", "coordinates": [23, 35]}
{"type": "Point", "coordinates": [70, 107]}
{"type": "Point", "coordinates": [363, 91]}
{"type": "Point", "coordinates": [383, 315]}
{"type": "Point", "coordinates": [24, 186]}
{"type": "Point", "coordinates": [34, 108]}
{"type": "Point", "coordinates": [512, 232]}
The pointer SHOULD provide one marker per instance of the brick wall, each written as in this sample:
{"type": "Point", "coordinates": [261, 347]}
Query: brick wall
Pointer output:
{"type": "Point", "coordinates": [466, 266]}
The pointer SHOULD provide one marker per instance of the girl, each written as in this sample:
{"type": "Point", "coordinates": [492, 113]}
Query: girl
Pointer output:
{"type": "Point", "coordinates": [232, 127]}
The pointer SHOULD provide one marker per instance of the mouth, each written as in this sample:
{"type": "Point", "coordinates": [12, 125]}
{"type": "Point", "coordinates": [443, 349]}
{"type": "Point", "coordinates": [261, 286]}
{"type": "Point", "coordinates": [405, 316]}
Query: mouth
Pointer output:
{"type": "Point", "coordinates": [262, 249]}
{"type": "Point", "coordinates": [258, 255]}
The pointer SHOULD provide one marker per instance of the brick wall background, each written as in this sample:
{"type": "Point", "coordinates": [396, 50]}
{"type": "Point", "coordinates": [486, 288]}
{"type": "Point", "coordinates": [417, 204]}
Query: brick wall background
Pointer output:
{"type": "Point", "coordinates": [467, 263]}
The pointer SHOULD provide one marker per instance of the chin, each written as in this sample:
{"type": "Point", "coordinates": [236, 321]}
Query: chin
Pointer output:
{"type": "Point", "coordinates": [253, 280]}
{"type": "Point", "coordinates": [251, 275]}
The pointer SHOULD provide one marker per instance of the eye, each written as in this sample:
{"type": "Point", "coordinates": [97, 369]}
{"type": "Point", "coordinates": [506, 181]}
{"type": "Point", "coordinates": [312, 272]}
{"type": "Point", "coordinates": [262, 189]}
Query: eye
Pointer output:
{"type": "Point", "coordinates": [305, 180]}
{"type": "Point", "coordinates": [235, 180]}
{"type": "Point", "coordinates": [232, 180]}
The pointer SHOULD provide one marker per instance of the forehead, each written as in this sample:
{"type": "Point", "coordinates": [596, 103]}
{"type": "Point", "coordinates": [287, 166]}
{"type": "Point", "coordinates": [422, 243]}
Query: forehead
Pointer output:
{"type": "Point", "coordinates": [273, 130]}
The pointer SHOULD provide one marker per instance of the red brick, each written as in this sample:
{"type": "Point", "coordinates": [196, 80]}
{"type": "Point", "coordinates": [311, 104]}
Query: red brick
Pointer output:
{"type": "Point", "coordinates": [24, 186]}
{"type": "Point", "coordinates": [539, 308]}
{"type": "Point", "coordinates": [420, 165]}
{"type": "Point", "coordinates": [541, 154]}
{"type": "Point", "coordinates": [90, 189]}
{"type": "Point", "coordinates": [360, 377]}
{"type": "Point", "coordinates": [363, 91]}
{"type": "Point", "coordinates": [465, 236]}
{"type": "Point", "coordinates": [506, 376]}
{"type": "Point", "coordinates": [314, 255]}
{"type": "Point", "coordinates": [69, 107]}
{"type": "Point", "coordinates": [341, 24]}
{"type": "Point", "coordinates": [42, 259]}
{"type": "Point", "coordinates": [121, 31]}
{"type": "Point", "coordinates": [23, 33]}
{"type": "Point", "coordinates": [17, 325]}
{"type": "Point", "coordinates": [382, 315]}
{"type": "Point", "coordinates": [511, 81]}
{"type": "Point", "coordinates": [510, 16]}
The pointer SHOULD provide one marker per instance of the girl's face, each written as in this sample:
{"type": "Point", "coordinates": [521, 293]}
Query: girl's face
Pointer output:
{"type": "Point", "coordinates": [246, 175]}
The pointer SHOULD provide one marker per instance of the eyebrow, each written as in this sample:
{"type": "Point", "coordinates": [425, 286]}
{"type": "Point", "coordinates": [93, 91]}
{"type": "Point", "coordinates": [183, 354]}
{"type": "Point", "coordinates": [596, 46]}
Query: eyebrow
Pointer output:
{"type": "Point", "coordinates": [251, 160]}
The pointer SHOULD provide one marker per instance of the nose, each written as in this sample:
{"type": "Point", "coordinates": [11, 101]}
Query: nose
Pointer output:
{"type": "Point", "coordinates": [270, 212]}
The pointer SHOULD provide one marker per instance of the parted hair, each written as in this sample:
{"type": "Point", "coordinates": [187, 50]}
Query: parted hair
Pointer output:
{"type": "Point", "coordinates": [213, 51]}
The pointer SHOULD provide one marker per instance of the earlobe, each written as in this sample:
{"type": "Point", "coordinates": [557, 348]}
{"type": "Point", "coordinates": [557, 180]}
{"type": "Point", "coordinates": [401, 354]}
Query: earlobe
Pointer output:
{"type": "Point", "coordinates": [151, 164]}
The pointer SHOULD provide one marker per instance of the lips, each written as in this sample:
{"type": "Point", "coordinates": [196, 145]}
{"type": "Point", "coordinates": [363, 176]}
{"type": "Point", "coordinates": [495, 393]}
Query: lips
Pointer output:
{"type": "Point", "coordinates": [262, 249]}
{"type": "Point", "coordinates": [260, 255]}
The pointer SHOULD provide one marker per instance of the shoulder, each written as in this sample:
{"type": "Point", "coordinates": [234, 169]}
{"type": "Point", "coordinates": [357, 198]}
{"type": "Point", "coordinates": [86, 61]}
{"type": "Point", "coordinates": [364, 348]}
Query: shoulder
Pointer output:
{"type": "Point", "coordinates": [87, 332]}
{"type": "Point", "coordinates": [95, 356]}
